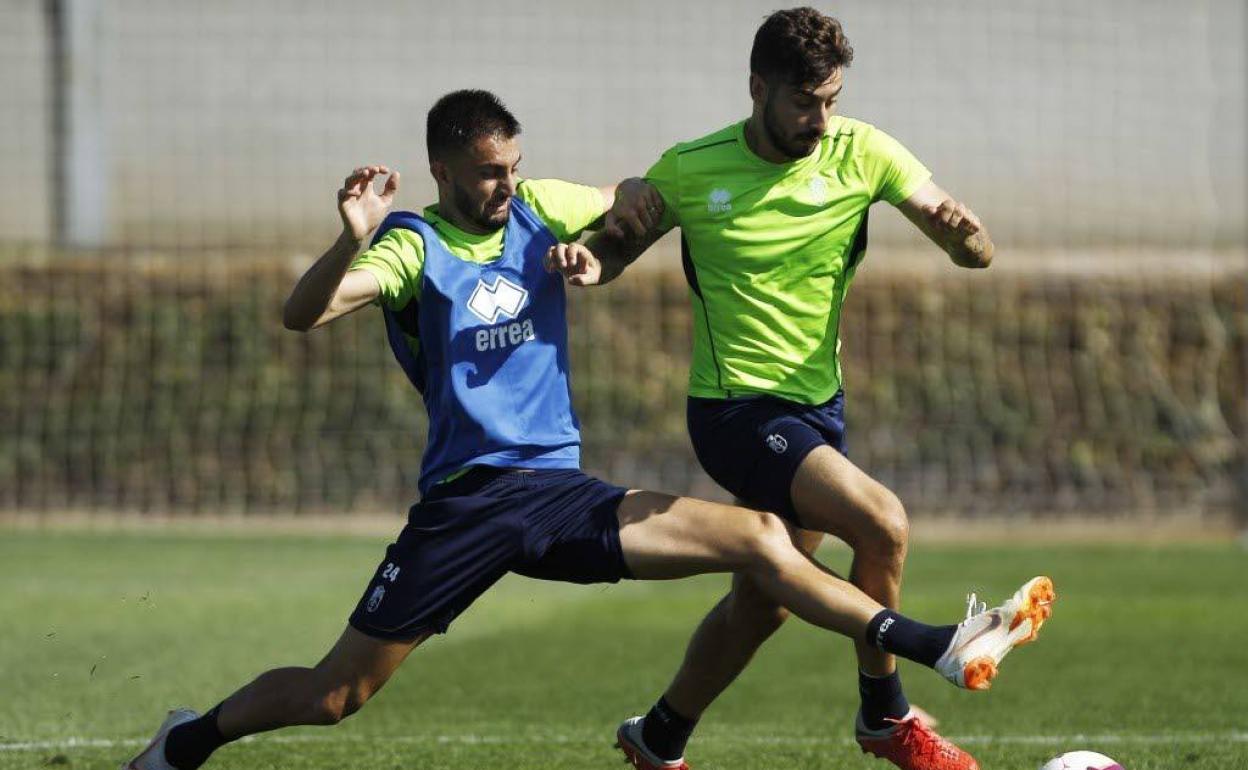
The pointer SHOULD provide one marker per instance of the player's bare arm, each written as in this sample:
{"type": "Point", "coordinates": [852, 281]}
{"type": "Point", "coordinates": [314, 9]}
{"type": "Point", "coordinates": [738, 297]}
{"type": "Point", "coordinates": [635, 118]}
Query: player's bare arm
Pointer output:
{"type": "Point", "coordinates": [950, 225]}
{"type": "Point", "coordinates": [632, 225]}
{"type": "Point", "coordinates": [612, 252]}
{"type": "Point", "coordinates": [328, 290]}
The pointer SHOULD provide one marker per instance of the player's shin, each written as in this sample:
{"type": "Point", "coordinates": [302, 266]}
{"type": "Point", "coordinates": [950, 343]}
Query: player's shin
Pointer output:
{"type": "Point", "coordinates": [820, 597]}
{"type": "Point", "coordinates": [879, 682]}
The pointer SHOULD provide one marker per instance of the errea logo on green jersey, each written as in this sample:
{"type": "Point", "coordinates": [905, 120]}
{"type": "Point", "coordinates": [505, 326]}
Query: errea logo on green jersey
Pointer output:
{"type": "Point", "coordinates": [719, 201]}
{"type": "Point", "coordinates": [818, 189]}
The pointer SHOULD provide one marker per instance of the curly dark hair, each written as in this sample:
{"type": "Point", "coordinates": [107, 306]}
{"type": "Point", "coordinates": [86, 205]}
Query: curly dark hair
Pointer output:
{"type": "Point", "coordinates": [800, 45]}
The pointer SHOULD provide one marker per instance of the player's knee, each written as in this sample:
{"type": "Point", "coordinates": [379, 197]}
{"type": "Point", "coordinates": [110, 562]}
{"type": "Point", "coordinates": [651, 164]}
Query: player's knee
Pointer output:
{"type": "Point", "coordinates": [888, 533]}
{"type": "Point", "coordinates": [771, 546]}
{"type": "Point", "coordinates": [331, 707]}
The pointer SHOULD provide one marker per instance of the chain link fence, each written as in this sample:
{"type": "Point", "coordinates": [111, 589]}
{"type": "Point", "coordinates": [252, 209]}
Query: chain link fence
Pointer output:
{"type": "Point", "coordinates": [172, 386]}
{"type": "Point", "coordinates": [171, 168]}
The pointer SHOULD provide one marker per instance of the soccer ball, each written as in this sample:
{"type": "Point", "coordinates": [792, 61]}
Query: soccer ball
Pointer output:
{"type": "Point", "coordinates": [1081, 760]}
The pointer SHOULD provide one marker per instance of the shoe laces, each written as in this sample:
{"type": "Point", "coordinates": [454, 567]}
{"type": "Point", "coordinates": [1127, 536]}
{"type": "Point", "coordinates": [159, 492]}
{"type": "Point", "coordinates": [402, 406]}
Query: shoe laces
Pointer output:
{"type": "Point", "coordinates": [923, 741]}
{"type": "Point", "coordinates": [974, 606]}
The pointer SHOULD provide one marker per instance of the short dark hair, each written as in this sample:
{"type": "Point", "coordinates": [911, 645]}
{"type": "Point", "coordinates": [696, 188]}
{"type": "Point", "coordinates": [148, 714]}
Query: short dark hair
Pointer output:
{"type": "Point", "coordinates": [800, 45]}
{"type": "Point", "coordinates": [462, 117]}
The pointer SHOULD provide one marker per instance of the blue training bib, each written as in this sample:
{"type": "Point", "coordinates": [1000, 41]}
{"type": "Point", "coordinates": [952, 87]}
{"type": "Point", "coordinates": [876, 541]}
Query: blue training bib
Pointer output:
{"type": "Point", "coordinates": [487, 347]}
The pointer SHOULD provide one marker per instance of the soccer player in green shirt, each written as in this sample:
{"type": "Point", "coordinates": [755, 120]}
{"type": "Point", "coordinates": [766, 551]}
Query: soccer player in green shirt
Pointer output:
{"type": "Point", "coordinates": [773, 218]}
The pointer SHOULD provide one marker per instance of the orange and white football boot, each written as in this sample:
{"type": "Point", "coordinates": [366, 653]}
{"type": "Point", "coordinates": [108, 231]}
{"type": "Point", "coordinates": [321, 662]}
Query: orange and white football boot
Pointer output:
{"type": "Point", "coordinates": [988, 635]}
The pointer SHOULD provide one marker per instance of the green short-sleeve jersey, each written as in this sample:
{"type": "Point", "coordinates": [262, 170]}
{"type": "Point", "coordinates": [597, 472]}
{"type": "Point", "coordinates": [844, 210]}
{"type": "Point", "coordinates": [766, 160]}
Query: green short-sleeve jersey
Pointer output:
{"type": "Point", "coordinates": [770, 249]}
{"type": "Point", "coordinates": [398, 259]}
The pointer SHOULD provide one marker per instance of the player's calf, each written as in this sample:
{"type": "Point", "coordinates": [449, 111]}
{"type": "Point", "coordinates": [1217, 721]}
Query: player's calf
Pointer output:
{"type": "Point", "coordinates": [353, 671]}
{"type": "Point", "coordinates": [278, 698]}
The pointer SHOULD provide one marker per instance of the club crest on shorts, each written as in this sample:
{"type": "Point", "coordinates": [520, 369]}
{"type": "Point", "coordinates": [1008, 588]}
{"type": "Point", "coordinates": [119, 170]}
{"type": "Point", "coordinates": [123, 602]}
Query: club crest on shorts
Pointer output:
{"type": "Point", "coordinates": [374, 599]}
{"type": "Point", "coordinates": [777, 443]}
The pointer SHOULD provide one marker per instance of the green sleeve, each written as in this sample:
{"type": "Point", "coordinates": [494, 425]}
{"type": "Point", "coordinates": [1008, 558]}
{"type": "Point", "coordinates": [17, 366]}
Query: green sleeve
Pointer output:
{"type": "Point", "coordinates": [396, 261]}
{"type": "Point", "coordinates": [666, 179]}
{"type": "Point", "coordinates": [893, 173]}
{"type": "Point", "coordinates": [565, 207]}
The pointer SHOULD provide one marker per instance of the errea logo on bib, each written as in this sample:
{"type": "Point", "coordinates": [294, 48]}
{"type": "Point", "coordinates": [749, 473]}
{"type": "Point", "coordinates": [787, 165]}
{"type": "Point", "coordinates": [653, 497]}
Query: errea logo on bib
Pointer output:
{"type": "Point", "coordinates": [501, 300]}
{"type": "Point", "coordinates": [505, 335]}
{"type": "Point", "coordinates": [504, 298]}
{"type": "Point", "coordinates": [719, 201]}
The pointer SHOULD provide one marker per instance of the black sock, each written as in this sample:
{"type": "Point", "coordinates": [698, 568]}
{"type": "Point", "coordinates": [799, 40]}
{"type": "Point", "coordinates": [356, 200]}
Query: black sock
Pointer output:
{"type": "Point", "coordinates": [665, 732]}
{"type": "Point", "coordinates": [882, 699]}
{"type": "Point", "coordinates": [893, 632]}
{"type": "Point", "coordinates": [189, 745]}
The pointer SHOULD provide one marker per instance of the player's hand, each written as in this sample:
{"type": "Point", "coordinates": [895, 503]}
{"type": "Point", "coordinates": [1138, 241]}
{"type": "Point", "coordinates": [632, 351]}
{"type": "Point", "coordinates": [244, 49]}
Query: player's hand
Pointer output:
{"type": "Point", "coordinates": [638, 209]}
{"type": "Point", "coordinates": [577, 263]}
{"type": "Point", "coordinates": [954, 219]}
{"type": "Point", "coordinates": [360, 205]}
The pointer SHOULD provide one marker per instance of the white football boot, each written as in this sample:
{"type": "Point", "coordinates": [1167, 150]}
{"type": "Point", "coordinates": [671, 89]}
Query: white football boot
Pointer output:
{"type": "Point", "coordinates": [153, 757]}
{"type": "Point", "coordinates": [987, 635]}
{"type": "Point", "coordinates": [628, 740]}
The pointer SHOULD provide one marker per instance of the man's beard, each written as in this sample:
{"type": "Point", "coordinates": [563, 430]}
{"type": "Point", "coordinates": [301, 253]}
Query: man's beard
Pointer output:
{"type": "Point", "coordinates": [795, 149]}
{"type": "Point", "coordinates": [476, 213]}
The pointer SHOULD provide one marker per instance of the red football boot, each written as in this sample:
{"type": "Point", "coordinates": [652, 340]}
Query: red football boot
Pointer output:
{"type": "Point", "coordinates": [912, 744]}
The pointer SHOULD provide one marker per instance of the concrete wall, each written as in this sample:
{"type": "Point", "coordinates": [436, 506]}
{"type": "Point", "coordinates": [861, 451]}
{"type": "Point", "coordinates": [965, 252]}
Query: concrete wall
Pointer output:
{"type": "Point", "coordinates": [25, 143]}
{"type": "Point", "coordinates": [231, 122]}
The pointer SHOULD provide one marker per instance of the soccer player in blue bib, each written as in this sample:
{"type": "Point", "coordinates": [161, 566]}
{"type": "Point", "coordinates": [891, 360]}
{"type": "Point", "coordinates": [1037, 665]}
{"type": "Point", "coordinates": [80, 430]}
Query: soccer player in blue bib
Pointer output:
{"type": "Point", "coordinates": [478, 324]}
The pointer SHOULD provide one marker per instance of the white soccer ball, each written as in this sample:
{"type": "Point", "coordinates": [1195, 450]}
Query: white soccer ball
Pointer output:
{"type": "Point", "coordinates": [1081, 760]}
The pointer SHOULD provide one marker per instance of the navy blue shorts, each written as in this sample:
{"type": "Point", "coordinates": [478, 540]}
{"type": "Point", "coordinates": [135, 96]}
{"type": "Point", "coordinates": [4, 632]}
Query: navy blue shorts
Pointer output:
{"type": "Point", "coordinates": [752, 446]}
{"type": "Point", "coordinates": [467, 533]}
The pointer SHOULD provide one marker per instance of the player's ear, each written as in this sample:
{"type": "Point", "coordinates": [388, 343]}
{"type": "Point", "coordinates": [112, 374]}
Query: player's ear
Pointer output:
{"type": "Point", "coordinates": [758, 88]}
{"type": "Point", "coordinates": [439, 171]}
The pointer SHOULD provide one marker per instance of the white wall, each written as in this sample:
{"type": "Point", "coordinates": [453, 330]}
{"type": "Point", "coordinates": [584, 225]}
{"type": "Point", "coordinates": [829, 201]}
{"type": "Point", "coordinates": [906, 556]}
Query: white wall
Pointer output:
{"type": "Point", "coordinates": [1067, 123]}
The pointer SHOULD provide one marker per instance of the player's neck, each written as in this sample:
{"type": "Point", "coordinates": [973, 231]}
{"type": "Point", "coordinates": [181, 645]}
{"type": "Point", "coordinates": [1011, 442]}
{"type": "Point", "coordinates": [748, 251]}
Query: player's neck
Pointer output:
{"type": "Point", "coordinates": [760, 144]}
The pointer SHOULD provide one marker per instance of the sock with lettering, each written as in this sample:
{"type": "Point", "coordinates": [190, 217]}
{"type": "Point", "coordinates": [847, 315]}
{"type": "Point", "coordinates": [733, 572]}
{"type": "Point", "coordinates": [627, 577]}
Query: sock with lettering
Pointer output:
{"type": "Point", "coordinates": [893, 632]}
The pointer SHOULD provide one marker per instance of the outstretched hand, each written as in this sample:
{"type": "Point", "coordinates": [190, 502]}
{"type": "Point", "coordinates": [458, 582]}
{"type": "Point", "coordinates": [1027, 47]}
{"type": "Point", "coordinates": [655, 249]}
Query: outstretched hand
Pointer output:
{"type": "Point", "coordinates": [360, 205]}
{"type": "Point", "coordinates": [578, 264]}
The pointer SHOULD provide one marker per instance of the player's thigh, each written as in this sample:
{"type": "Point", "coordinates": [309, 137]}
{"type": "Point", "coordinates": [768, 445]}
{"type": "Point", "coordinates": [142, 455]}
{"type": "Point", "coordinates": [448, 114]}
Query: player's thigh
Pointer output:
{"type": "Point", "coordinates": [665, 537]}
{"type": "Point", "coordinates": [753, 448]}
{"type": "Point", "coordinates": [806, 540]}
{"type": "Point", "coordinates": [833, 495]}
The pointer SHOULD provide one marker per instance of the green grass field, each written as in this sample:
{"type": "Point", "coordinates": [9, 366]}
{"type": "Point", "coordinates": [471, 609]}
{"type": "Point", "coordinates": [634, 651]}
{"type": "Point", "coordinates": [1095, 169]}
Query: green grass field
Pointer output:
{"type": "Point", "coordinates": [1145, 659]}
